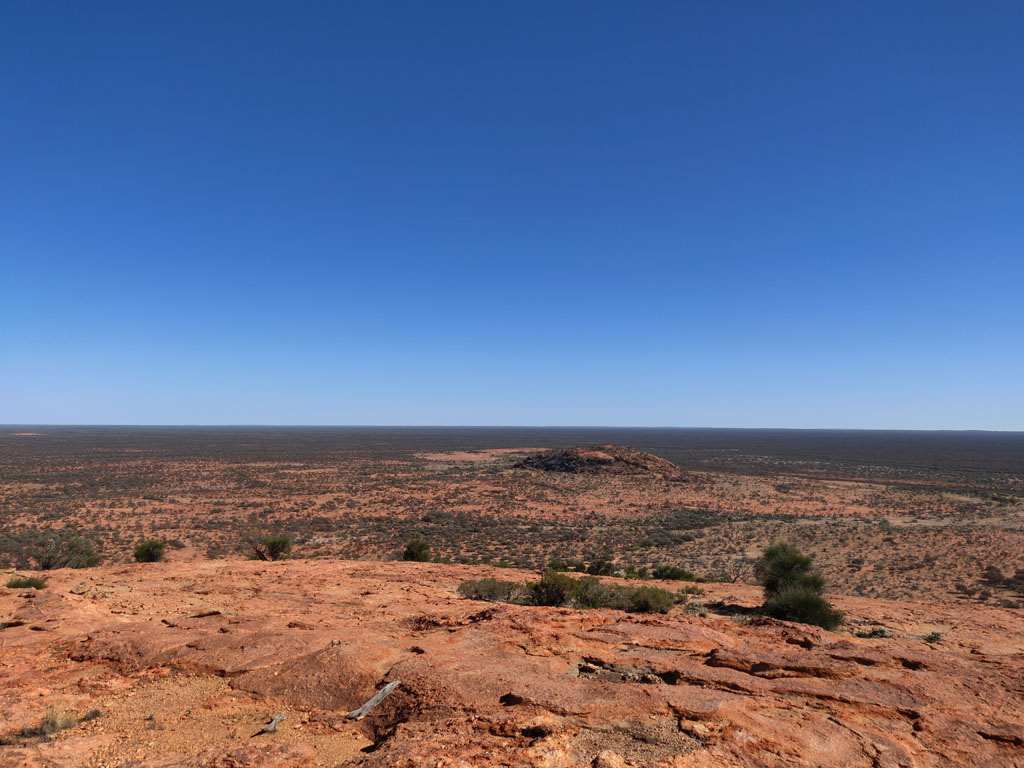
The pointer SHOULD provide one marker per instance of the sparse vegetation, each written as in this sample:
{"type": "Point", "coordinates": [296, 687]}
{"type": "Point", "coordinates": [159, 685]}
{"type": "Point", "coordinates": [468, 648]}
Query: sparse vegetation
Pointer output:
{"type": "Point", "coordinates": [875, 633]}
{"type": "Point", "coordinates": [26, 582]}
{"type": "Point", "coordinates": [559, 589]}
{"type": "Point", "coordinates": [151, 551]}
{"type": "Point", "coordinates": [352, 496]}
{"type": "Point", "coordinates": [54, 721]}
{"type": "Point", "coordinates": [993, 576]}
{"type": "Point", "coordinates": [637, 572]}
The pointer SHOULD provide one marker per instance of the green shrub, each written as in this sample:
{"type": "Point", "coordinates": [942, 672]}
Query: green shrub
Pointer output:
{"type": "Point", "coordinates": [416, 550]}
{"type": "Point", "coordinates": [151, 551]}
{"type": "Point", "coordinates": [601, 567]}
{"type": "Point", "coordinates": [559, 589]}
{"type": "Point", "coordinates": [933, 637]}
{"type": "Point", "coordinates": [793, 588]}
{"type": "Point", "coordinates": [272, 548]}
{"type": "Point", "coordinates": [803, 604]}
{"type": "Point", "coordinates": [648, 600]}
{"type": "Point", "coordinates": [26, 582]}
{"type": "Point", "coordinates": [495, 591]}
{"type": "Point", "coordinates": [782, 566]}
{"type": "Point", "coordinates": [278, 547]}
{"type": "Point", "coordinates": [591, 593]}
{"type": "Point", "coordinates": [673, 573]}
{"type": "Point", "coordinates": [553, 589]}
{"type": "Point", "coordinates": [66, 550]}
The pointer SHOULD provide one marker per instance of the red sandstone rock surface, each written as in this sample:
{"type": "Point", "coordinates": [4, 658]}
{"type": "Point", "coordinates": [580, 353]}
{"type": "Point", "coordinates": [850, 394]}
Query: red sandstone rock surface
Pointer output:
{"type": "Point", "coordinates": [186, 661]}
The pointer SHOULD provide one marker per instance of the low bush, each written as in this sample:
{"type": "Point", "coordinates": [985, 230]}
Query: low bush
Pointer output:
{"type": "Point", "coordinates": [648, 600]}
{"type": "Point", "coordinates": [495, 591]}
{"type": "Point", "coordinates": [805, 605]}
{"type": "Point", "coordinates": [272, 548]}
{"type": "Point", "coordinates": [558, 589]}
{"type": "Point", "coordinates": [151, 551]}
{"type": "Point", "coordinates": [278, 547]}
{"type": "Point", "coordinates": [26, 582]}
{"type": "Point", "coordinates": [875, 633]}
{"type": "Point", "coordinates": [54, 720]}
{"type": "Point", "coordinates": [66, 550]}
{"type": "Point", "coordinates": [673, 573]}
{"type": "Point", "coordinates": [591, 593]}
{"type": "Point", "coordinates": [697, 609]}
{"type": "Point", "coordinates": [637, 572]}
{"type": "Point", "coordinates": [994, 577]}
{"type": "Point", "coordinates": [601, 567]}
{"type": "Point", "coordinates": [416, 550]}
{"type": "Point", "coordinates": [553, 589]}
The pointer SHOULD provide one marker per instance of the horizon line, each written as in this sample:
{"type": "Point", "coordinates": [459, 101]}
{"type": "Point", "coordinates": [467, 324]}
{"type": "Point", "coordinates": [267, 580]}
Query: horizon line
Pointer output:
{"type": "Point", "coordinates": [12, 425]}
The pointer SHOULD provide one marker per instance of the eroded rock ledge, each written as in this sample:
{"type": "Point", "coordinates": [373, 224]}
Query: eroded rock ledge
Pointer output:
{"type": "Point", "coordinates": [187, 660]}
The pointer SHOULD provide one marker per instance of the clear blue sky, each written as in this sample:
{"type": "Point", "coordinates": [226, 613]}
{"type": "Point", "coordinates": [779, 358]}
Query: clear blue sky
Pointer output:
{"type": "Point", "coordinates": [678, 214]}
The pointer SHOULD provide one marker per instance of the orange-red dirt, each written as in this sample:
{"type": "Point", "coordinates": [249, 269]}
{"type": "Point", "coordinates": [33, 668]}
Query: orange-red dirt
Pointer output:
{"type": "Point", "coordinates": [187, 660]}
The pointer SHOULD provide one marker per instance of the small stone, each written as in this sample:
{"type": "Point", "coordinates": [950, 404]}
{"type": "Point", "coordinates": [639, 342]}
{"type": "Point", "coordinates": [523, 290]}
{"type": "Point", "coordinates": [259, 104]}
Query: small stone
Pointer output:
{"type": "Point", "coordinates": [609, 759]}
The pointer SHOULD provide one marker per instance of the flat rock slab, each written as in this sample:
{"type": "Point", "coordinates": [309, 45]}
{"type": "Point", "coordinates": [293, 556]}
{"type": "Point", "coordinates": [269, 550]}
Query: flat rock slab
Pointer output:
{"type": "Point", "coordinates": [484, 684]}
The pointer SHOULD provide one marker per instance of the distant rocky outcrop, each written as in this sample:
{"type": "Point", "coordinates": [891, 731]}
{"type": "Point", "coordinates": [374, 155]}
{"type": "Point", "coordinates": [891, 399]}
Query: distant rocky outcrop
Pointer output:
{"type": "Point", "coordinates": [612, 459]}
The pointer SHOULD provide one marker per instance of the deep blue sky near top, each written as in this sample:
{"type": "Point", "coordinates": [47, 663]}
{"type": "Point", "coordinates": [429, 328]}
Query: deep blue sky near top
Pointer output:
{"type": "Point", "coordinates": [691, 214]}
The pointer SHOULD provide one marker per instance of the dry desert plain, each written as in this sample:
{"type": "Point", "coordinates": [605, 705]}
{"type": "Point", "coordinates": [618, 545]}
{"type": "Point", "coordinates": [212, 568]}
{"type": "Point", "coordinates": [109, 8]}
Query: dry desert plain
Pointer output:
{"type": "Point", "coordinates": [180, 663]}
